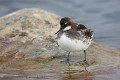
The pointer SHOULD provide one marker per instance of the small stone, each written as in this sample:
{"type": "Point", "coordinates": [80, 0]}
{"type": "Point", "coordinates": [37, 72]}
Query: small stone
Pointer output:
{"type": "Point", "coordinates": [23, 34]}
{"type": "Point", "coordinates": [44, 49]}
{"type": "Point", "coordinates": [19, 55]}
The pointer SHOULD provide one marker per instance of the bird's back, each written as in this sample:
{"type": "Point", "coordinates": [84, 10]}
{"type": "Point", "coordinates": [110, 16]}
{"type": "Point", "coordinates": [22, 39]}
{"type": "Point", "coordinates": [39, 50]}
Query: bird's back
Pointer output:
{"type": "Point", "coordinates": [84, 31]}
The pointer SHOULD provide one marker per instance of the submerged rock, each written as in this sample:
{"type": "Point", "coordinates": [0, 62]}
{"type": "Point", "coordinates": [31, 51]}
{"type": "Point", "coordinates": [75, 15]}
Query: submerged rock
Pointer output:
{"type": "Point", "coordinates": [27, 43]}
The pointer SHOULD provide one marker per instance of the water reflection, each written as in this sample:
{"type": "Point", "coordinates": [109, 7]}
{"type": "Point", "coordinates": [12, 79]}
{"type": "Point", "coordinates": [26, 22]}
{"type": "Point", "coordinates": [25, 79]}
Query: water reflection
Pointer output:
{"type": "Point", "coordinates": [77, 74]}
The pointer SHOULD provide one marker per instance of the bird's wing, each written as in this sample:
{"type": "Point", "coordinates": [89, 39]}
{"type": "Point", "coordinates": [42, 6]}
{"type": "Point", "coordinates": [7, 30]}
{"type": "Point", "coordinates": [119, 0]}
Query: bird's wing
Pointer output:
{"type": "Point", "coordinates": [83, 30]}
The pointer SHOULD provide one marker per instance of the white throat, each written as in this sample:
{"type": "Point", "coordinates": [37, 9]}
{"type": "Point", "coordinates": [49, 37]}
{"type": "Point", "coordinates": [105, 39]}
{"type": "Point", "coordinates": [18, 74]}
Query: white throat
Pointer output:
{"type": "Point", "coordinates": [67, 28]}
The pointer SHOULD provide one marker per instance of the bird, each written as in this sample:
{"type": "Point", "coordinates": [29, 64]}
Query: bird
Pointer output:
{"type": "Point", "coordinates": [73, 37]}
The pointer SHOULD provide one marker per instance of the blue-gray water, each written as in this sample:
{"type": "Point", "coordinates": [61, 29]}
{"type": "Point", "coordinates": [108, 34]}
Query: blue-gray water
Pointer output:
{"type": "Point", "coordinates": [102, 16]}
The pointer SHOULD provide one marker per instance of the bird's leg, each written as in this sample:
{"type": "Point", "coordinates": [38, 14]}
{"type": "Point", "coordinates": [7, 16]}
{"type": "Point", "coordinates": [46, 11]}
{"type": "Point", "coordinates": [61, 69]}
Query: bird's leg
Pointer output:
{"type": "Point", "coordinates": [68, 57]}
{"type": "Point", "coordinates": [85, 58]}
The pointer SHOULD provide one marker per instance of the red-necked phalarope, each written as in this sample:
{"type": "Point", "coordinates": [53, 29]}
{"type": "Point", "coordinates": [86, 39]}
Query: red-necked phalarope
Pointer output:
{"type": "Point", "coordinates": [73, 37]}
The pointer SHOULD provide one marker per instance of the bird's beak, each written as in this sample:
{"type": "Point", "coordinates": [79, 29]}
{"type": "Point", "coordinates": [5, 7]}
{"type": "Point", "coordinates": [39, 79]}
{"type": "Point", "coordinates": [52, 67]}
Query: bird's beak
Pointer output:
{"type": "Point", "coordinates": [58, 30]}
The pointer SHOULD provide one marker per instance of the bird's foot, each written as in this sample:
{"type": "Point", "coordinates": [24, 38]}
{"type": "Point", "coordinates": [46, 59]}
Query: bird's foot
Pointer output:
{"type": "Point", "coordinates": [84, 62]}
{"type": "Point", "coordinates": [66, 61]}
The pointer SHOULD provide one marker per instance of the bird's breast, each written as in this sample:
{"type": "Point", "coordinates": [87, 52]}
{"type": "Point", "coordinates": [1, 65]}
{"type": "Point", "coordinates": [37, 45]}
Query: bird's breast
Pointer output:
{"type": "Point", "coordinates": [73, 45]}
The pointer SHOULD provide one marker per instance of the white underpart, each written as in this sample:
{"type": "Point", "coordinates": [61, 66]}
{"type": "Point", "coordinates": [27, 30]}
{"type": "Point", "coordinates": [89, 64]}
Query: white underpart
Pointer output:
{"type": "Point", "coordinates": [67, 28]}
{"type": "Point", "coordinates": [73, 45]}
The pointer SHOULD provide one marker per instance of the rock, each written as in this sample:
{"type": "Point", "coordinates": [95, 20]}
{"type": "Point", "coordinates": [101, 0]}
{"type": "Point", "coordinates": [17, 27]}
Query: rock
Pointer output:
{"type": "Point", "coordinates": [28, 30]}
{"type": "Point", "coordinates": [28, 35]}
{"type": "Point", "coordinates": [19, 55]}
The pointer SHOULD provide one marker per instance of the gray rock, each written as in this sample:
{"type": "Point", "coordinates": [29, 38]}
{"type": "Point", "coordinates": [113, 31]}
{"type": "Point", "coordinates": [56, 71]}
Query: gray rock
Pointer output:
{"type": "Point", "coordinates": [30, 31]}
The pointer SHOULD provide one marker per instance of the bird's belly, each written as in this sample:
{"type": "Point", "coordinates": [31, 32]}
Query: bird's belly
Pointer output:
{"type": "Point", "coordinates": [72, 45]}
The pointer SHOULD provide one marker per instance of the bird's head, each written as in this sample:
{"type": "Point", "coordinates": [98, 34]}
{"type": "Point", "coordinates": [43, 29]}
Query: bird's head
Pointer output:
{"type": "Point", "coordinates": [67, 24]}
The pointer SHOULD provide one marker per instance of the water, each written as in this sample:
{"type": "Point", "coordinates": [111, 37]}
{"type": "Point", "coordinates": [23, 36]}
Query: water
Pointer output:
{"type": "Point", "coordinates": [102, 16]}
{"type": "Point", "coordinates": [68, 74]}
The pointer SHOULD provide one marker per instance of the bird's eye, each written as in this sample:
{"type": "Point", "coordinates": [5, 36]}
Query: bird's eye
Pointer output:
{"type": "Point", "coordinates": [66, 23]}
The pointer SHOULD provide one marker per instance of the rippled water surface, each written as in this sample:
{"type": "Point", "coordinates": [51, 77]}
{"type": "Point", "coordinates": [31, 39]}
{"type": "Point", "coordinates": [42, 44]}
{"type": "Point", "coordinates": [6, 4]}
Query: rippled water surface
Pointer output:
{"type": "Point", "coordinates": [68, 74]}
{"type": "Point", "coordinates": [102, 16]}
